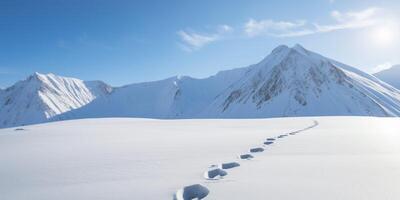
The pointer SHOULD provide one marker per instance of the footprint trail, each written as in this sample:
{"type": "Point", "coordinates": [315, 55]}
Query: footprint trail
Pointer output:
{"type": "Point", "coordinates": [217, 172]}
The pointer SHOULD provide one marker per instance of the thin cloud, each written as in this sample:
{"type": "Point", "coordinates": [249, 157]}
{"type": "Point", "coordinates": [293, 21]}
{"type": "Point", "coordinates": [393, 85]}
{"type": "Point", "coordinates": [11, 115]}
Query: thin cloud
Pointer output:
{"type": "Point", "coordinates": [346, 20]}
{"type": "Point", "coordinates": [191, 40]}
{"type": "Point", "coordinates": [5, 71]}
{"type": "Point", "coordinates": [224, 29]}
{"type": "Point", "coordinates": [270, 27]}
{"type": "Point", "coordinates": [196, 40]}
{"type": "Point", "coordinates": [350, 20]}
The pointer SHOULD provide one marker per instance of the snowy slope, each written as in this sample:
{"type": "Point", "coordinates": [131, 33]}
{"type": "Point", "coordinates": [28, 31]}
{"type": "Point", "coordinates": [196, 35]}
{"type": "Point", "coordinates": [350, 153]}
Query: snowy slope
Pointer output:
{"type": "Point", "coordinates": [298, 82]}
{"type": "Point", "coordinates": [347, 158]}
{"type": "Point", "coordinates": [391, 76]}
{"type": "Point", "coordinates": [175, 97]}
{"type": "Point", "coordinates": [41, 97]}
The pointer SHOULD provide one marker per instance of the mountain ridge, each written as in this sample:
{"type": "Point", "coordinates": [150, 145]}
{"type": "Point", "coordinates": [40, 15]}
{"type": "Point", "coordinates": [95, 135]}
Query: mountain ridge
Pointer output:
{"type": "Point", "coordinates": [288, 82]}
{"type": "Point", "coordinates": [391, 76]}
{"type": "Point", "coordinates": [306, 58]}
{"type": "Point", "coordinates": [43, 96]}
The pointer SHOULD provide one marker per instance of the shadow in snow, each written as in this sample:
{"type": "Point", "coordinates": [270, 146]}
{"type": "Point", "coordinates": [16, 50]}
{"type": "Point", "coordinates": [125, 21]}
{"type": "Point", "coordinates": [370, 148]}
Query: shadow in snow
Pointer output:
{"type": "Point", "coordinates": [246, 156]}
{"type": "Point", "coordinates": [256, 150]}
{"type": "Point", "coordinates": [215, 174]}
{"type": "Point", "coordinates": [195, 191]}
{"type": "Point", "coordinates": [229, 165]}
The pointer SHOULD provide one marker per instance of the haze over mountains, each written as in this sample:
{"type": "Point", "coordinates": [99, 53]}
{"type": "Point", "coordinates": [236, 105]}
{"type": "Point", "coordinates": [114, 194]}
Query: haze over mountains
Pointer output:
{"type": "Point", "coordinates": [391, 76]}
{"type": "Point", "coordinates": [288, 82]}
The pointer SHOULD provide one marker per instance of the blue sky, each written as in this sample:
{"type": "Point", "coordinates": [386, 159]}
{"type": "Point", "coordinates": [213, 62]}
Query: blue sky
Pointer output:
{"type": "Point", "coordinates": [124, 42]}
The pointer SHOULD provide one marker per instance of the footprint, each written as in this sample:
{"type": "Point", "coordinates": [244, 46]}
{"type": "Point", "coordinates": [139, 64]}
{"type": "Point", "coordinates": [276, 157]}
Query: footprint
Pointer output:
{"type": "Point", "coordinates": [229, 165]}
{"type": "Point", "coordinates": [215, 174]}
{"type": "Point", "coordinates": [282, 136]}
{"type": "Point", "coordinates": [294, 132]}
{"type": "Point", "coordinates": [19, 129]}
{"type": "Point", "coordinates": [268, 143]}
{"type": "Point", "coordinates": [256, 150]}
{"type": "Point", "coordinates": [195, 191]}
{"type": "Point", "coordinates": [246, 156]}
{"type": "Point", "coordinates": [271, 139]}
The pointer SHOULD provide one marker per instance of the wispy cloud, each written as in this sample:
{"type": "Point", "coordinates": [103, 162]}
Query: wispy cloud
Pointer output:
{"type": "Point", "coordinates": [191, 40]}
{"type": "Point", "coordinates": [350, 20]}
{"type": "Point", "coordinates": [194, 40]}
{"type": "Point", "coordinates": [224, 29]}
{"type": "Point", "coordinates": [271, 27]}
{"type": "Point", "coordinates": [5, 71]}
{"type": "Point", "coordinates": [342, 20]}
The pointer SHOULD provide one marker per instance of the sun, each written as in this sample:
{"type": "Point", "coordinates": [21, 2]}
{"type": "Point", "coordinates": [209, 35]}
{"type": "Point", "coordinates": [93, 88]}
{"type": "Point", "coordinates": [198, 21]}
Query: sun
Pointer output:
{"type": "Point", "coordinates": [385, 34]}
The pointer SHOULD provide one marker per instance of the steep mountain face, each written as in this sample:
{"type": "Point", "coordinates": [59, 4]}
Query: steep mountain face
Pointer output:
{"type": "Point", "coordinates": [391, 76]}
{"type": "Point", "coordinates": [288, 82]}
{"type": "Point", "coordinates": [41, 97]}
{"type": "Point", "coordinates": [297, 82]}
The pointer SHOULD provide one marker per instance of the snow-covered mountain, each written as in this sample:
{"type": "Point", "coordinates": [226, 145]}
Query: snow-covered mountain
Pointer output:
{"type": "Point", "coordinates": [288, 82]}
{"type": "Point", "coordinates": [391, 76]}
{"type": "Point", "coordinates": [41, 97]}
{"type": "Point", "coordinates": [298, 82]}
{"type": "Point", "coordinates": [175, 97]}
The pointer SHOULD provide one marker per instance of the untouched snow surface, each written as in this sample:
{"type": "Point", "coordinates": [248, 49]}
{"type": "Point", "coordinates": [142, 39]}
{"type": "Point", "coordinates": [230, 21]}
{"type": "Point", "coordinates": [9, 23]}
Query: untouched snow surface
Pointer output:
{"type": "Point", "coordinates": [347, 158]}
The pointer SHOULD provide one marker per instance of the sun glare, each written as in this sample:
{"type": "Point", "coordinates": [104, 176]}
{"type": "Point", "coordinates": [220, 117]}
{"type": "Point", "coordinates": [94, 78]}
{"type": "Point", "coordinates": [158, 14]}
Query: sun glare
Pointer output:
{"type": "Point", "coordinates": [385, 35]}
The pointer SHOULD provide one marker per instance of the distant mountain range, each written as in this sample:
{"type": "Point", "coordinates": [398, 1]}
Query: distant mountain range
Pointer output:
{"type": "Point", "coordinates": [288, 82]}
{"type": "Point", "coordinates": [391, 76]}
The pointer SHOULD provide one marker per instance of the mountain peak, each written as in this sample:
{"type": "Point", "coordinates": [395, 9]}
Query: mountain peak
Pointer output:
{"type": "Point", "coordinates": [283, 51]}
{"type": "Point", "coordinates": [300, 49]}
{"type": "Point", "coordinates": [285, 48]}
{"type": "Point", "coordinates": [279, 49]}
{"type": "Point", "coordinates": [38, 76]}
{"type": "Point", "coordinates": [34, 77]}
